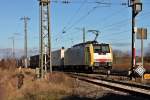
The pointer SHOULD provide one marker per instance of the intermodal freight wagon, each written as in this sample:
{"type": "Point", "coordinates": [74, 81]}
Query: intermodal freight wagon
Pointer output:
{"type": "Point", "coordinates": [84, 56]}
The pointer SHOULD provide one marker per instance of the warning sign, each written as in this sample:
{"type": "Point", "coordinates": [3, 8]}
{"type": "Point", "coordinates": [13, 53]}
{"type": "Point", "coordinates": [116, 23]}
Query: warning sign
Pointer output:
{"type": "Point", "coordinates": [141, 33]}
{"type": "Point", "coordinates": [140, 70]}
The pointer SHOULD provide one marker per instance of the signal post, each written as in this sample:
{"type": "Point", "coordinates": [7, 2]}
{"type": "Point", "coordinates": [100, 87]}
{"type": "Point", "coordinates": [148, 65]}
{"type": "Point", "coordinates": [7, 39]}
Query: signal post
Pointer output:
{"type": "Point", "coordinates": [136, 6]}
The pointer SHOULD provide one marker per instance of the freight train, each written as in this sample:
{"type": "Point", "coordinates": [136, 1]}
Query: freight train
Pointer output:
{"type": "Point", "coordinates": [88, 56]}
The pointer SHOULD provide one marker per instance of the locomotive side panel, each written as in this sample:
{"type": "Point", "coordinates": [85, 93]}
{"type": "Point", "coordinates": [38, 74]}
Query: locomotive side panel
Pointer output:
{"type": "Point", "coordinates": [74, 56]}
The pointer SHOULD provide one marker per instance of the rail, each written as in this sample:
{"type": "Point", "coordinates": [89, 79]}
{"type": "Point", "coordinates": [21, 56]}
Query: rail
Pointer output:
{"type": "Point", "coordinates": [133, 89]}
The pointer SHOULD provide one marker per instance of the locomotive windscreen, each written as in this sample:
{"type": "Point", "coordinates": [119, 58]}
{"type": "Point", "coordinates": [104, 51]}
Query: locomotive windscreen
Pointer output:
{"type": "Point", "coordinates": [101, 48]}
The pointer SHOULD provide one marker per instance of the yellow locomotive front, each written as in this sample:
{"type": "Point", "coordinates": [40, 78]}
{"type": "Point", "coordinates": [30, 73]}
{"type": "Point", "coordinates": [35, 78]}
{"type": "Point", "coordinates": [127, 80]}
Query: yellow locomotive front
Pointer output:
{"type": "Point", "coordinates": [98, 56]}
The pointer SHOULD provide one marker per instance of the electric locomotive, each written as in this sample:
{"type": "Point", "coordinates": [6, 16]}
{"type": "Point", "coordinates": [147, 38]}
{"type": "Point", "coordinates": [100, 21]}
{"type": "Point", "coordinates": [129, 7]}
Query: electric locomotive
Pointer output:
{"type": "Point", "coordinates": [90, 56]}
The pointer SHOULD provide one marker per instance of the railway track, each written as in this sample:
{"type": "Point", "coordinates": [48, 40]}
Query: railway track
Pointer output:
{"type": "Point", "coordinates": [137, 90]}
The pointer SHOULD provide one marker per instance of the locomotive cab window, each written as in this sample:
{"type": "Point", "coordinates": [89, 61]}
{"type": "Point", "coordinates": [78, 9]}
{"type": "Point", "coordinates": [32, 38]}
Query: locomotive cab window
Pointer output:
{"type": "Point", "coordinates": [105, 49]}
{"type": "Point", "coordinates": [97, 49]}
{"type": "Point", "coordinates": [101, 49]}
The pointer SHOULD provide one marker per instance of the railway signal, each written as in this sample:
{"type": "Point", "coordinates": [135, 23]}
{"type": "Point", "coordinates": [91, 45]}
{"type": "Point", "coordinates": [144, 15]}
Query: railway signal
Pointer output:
{"type": "Point", "coordinates": [136, 9]}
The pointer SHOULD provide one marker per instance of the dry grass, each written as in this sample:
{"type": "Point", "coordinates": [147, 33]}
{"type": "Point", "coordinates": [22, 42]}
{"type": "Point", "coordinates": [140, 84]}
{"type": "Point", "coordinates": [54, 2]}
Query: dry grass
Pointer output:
{"type": "Point", "coordinates": [147, 66]}
{"type": "Point", "coordinates": [54, 87]}
{"type": "Point", "coordinates": [7, 83]}
{"type": "Point", "coordinates": [9, 64]}
{"type": "Point", "coordinates": [121, 67]}
{"type": "Point", "coordinates": [7, 77]}
{"type": "Point", "coordinates": [127, 65]}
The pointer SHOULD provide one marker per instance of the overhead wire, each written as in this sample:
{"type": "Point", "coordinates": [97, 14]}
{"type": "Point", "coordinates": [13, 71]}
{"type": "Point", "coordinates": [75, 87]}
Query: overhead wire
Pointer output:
{"type": "Point", "coordinates": [81, 18]}
{"type": "Point", "coordinates": [79, 1]}
{"type": "Point", "coordinates": [121, 44]}
{"type": "Point", "coordinates": [117, 33]}
{"type": "Point", "coordinates": [74, 15]}
{"type": "Point", "coordinates": [113, 14]}
{"type": "Point", "coordinates": [114, 24]}
{"type": "Point", "coordinates": [84, 16]}
{"type": "Point", "coordinates": [114, 33]}
{"type": "Point", "coordinates": [71, 18]}
{"type": "Point", "coordinates": [105, 27]}
{"type": "Point", "coordinates": [118, 26]}
{"type": "Point", "coordinates": [120, 23]}
{"type": "Point", "coordinates": [110, 16]}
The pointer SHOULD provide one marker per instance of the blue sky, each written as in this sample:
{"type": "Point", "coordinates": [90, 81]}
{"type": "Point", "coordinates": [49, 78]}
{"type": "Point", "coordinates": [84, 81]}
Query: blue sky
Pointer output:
{"type": "Point", "coordinates": [113, 21]}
